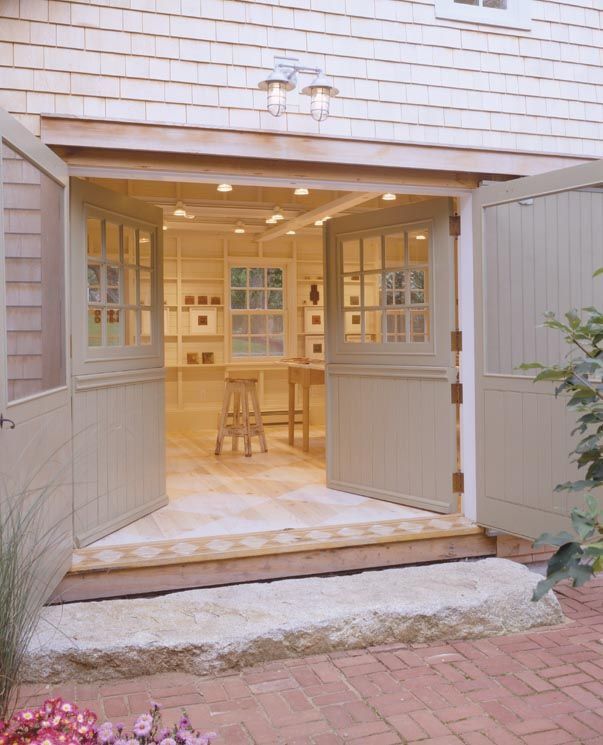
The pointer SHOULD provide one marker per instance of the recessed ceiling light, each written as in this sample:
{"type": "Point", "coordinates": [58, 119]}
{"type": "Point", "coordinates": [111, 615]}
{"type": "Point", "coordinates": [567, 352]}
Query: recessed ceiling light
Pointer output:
{"type": "Point", "coordinates": [319, 223]}
{"type": "Point", "coordinates": [180, 211]}
{"type": "Point", "coordinates": [421, 237]}
{"type": "Point", "coordinates": [240, 228]}
{"type": "Point", "coordinates": [389, 197]}
{"type": "Point", "coordinates": [301, 191]}
{"type": "Point", "coordinates": [224, 187]}
{"type": "Point", "coordinates": [271, 221]}
{"type": "Point", "coordinates": [165, 227]}
{"type": "Point", "coordinates": [291, 232]}
{"type": "Point", "coordinates": [278, 215]}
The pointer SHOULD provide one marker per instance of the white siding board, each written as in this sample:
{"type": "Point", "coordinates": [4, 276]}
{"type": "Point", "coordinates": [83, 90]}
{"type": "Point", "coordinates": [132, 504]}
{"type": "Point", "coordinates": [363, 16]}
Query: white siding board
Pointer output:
{"type": "Point", "coordinates": [466, 78]}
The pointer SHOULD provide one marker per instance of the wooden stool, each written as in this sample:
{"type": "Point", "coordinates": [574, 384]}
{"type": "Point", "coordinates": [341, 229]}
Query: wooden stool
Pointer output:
{"type": "Point", "coordinates": [242, 390]}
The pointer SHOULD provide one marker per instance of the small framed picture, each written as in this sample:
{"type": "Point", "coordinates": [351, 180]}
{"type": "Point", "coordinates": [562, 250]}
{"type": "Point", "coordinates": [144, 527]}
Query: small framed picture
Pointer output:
{"type": "Point", "coordinates": [202, 300]}
{"type": "Point", "coordinates": [192, 358]}
{"type": "Point", "coordinates": [203, 321]}
{"type": "Point", "coordinates": [315, 347]}
{"type": "Point", "coordinates": [216, 300]}
{"type": "Point", "coordinates": [189, 299]}
{"type": "Point", "coordinates": [314, 320]}
{"type": "Point", "coordinates": [207, 358]}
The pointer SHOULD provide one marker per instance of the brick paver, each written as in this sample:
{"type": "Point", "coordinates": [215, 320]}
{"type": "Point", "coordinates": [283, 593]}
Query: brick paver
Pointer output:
{"type": "Point", "coordinates": [538, 688]}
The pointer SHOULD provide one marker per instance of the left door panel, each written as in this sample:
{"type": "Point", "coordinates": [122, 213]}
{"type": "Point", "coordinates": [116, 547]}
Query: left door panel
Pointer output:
{"type": "Point", "coordinates": [118, 373]}
{"type": "Point", "coordinates": [35, 401]}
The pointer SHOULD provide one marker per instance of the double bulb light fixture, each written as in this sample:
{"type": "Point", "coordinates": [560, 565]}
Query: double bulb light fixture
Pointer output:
{"type": "Point", "coordinates": [283, 79]}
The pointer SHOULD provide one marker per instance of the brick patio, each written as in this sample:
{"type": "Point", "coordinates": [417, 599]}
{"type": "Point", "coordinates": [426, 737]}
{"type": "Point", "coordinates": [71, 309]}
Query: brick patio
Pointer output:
{"type": "Point", "coordinates": [540, 688]}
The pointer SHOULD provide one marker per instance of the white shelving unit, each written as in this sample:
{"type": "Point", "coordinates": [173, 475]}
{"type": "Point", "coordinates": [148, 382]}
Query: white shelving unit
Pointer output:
{"type": "Point", "coordinates": [197, 264]}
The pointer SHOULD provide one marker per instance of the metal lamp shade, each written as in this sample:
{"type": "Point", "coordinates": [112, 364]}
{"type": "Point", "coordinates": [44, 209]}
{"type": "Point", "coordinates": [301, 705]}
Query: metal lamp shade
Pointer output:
{"type": "Point", "coordinates": [320, 92]}
{"type": "Point", "coordinates": [276, 85]}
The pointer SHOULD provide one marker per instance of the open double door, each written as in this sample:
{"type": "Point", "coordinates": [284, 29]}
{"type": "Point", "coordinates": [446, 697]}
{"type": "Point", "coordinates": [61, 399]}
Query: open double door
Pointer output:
{"type": "Point", "coordinates": [81, 344]}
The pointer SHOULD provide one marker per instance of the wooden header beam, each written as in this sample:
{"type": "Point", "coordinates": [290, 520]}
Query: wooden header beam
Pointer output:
{"type": "Point", "coordinates": [341, 204]}
{"type": "Point", "coordinates": [72, 132]}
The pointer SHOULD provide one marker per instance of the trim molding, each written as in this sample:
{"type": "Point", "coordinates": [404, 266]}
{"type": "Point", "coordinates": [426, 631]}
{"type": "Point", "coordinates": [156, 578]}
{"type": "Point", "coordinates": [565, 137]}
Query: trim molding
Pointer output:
{"type": "Point", "coordinates": [127, 377]}
{"type": "Point", "coordinates": [275, 146]}
{"type": "Point", "coordinates": [445, 374]}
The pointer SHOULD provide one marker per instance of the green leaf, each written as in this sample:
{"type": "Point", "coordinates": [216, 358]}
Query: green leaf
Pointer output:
{"type": "Point", "coordinates": [598, 272]}
{"type": "Point", "coordinates": [583, 524]}
{"type": "Point", "coordinates": [548, 539]}
{"type": "Point", "coordinates": [566, 556]}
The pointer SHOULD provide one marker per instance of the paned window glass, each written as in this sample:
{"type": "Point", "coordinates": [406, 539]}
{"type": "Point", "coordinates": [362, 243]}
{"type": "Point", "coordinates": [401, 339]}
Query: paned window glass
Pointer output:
{"type": "Point", "coordinates": [257, 311]}
{"type": "Point", "coordinates": [34, 268]}
{"type": "Point", "coordinates": [386, 287]}
{"type": "Point", "coordinates": [120, 283]}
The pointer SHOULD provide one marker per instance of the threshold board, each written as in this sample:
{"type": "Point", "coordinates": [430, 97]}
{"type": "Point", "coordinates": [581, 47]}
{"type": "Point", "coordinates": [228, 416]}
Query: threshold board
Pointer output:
{"type": "Point", "coordinates": [160, 566]}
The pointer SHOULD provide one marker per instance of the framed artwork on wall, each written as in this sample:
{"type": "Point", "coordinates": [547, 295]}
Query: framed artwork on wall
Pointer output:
{"type": "Point", "coordinates": [203, 320]}
{"type": "Point", "coordinates": [315, 347]}
{"type": "Point", "coordinates": [314, 320]}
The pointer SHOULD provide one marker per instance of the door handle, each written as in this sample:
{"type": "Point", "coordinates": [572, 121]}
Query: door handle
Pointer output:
{"type": "Point", "coordinates": [9, 422]}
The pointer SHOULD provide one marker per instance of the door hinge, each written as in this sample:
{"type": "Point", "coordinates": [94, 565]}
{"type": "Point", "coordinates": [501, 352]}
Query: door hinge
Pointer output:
{"type": "Point", "coordinates": [458, 482]}
{"type": "Point", "coordinates": [456, 341]}
{"type": "Point", "coordinates": [455, 225]}
{"type": "Point", "coordinates": [456, 393]}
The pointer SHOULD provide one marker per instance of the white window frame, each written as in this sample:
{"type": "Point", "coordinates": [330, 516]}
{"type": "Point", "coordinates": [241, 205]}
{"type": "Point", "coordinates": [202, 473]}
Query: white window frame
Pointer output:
{"type": "Point", "coordinates": [288, 311]}
{"type": "Point", "coordinates": [517, 14]}
{"type": "Point", "coordinates": [397, 347]}
{"type": "Point", "coordinates": [121, 351]}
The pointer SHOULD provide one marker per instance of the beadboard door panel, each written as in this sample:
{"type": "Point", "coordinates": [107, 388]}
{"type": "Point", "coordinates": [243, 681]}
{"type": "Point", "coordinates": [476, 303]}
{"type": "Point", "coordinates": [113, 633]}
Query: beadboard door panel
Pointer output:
{"type": "Point", "coordinates": [392, 435]}
{"type": "Point", "coordinates": [120, 456]}
{"type": "Point", "coordinates": [118, 381]}
{"type": "Point", "coordinates": [391, 425]}
{"type": "Point", "coordinates": [537, 243]}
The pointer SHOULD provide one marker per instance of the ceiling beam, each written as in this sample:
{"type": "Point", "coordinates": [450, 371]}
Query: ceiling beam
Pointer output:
{"type": "Point", "coordinates": [330, 209]}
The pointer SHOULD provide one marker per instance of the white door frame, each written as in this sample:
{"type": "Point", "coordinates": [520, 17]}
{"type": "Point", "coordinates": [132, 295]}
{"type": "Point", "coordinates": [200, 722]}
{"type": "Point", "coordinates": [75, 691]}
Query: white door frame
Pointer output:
{"type": "Point", "coordinates": [463, 194]}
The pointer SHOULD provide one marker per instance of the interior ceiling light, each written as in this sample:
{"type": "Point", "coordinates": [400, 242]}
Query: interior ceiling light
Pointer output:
{"type": "Point", "coordinates": [301, 191]}
{"type": "Point", "coordinates": [271, 221]}
{"type": "Point", "coordinates": [283, 79]}
{"type": "Point", "coordinates": [421, 237]}
{"type": "Point", "coordinates": [224, 187]}
{"type": "Point", "coordinates": [180, 211]}
{"type": "Point", "coordinates": [326, 217]}
{"type": "Point", "coordinates": [319, 223]}
{"type": "Point", "coordinates": [240, 228]}
{"type": "Point", "coordinates": [165, 227]}
{"type": "Point", "coordinates": [278, 215]}
{"type": "Point", "coordinates": [389, 197]}
{"type": "Point", "coordinates": [291, 232]}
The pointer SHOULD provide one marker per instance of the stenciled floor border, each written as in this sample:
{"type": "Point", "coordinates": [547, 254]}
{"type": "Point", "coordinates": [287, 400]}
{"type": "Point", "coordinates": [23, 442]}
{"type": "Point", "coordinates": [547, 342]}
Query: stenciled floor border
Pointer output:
{"type": "Point", "coordinates": [213, 548]}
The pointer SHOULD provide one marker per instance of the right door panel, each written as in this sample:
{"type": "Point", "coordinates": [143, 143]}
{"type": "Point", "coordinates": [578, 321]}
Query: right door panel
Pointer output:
{"type": "Point", "coordinates": [391, 424]}
{"type": "Point", "coordinates": [538, 241]}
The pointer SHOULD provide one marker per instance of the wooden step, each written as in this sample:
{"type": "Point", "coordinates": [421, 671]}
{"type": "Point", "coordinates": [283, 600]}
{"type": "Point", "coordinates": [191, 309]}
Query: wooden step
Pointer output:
{"type": "Point", "coordinates": [135, 569]}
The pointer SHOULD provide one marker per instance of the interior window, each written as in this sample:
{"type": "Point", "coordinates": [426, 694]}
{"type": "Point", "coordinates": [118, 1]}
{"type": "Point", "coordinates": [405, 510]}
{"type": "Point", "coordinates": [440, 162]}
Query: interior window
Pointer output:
{"type": "Point", "coordinates": [34, 277]}
{"type": "Point", "coordinates": [120, 283]}
{"type": "Point", "coordinates": [386, 285]}
{"type": "Point", "coordinates": [257, 311]}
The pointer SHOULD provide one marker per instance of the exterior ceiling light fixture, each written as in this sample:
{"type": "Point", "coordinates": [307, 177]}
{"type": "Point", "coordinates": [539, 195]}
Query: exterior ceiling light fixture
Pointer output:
{"type": "Point", "coordinates": [240, 228]}
{"type": "Point", "coordinates": [224, 187]}
{"type": "Point", "coordinates": [389, 197]}
{"type": "Point", "coordinates": [291, 232]}
{"type": "Point", "coordinates": [301, 191]}
{"type": "Point", "coordinates": [421, 237]}
{"type": "Point", "coordinates": [283, 79]}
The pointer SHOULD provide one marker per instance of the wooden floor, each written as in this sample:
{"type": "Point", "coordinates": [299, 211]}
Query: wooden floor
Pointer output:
{"type": "Point", "coordinates": [236, 519]}
{"type": "Point", "coordinates": [229, 494]}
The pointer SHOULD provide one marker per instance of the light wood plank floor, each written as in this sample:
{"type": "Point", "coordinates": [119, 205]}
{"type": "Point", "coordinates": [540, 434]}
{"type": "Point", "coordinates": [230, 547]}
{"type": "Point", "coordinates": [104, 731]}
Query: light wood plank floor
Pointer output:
{"type": "Point", "coordinates": [233, 495]}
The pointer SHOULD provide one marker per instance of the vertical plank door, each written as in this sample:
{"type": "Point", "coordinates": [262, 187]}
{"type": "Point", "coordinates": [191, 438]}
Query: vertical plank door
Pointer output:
{"type": "Point", "coordinates": [118, 373]}
{"type": "Point", "coordinates": [537, 242]}
{"type": "Point", "coordinates": [389, 314]}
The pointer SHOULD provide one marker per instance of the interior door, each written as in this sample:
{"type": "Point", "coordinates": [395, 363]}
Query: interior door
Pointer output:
{"type": "Point", "coordinates": [35, 410]}
{"type": "Point", "coordinates": [537, 242]}
{"type": "Point", "coordinates": [118, 372]}
{"type": "Point", "coordinates": [389, 313]}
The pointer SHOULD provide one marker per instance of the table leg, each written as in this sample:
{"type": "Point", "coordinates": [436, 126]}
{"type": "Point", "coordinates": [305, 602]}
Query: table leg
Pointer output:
{"type": "Point", "coordinates": [291, 413]}
{"type": "Point", "coordinates": [306, 418]}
